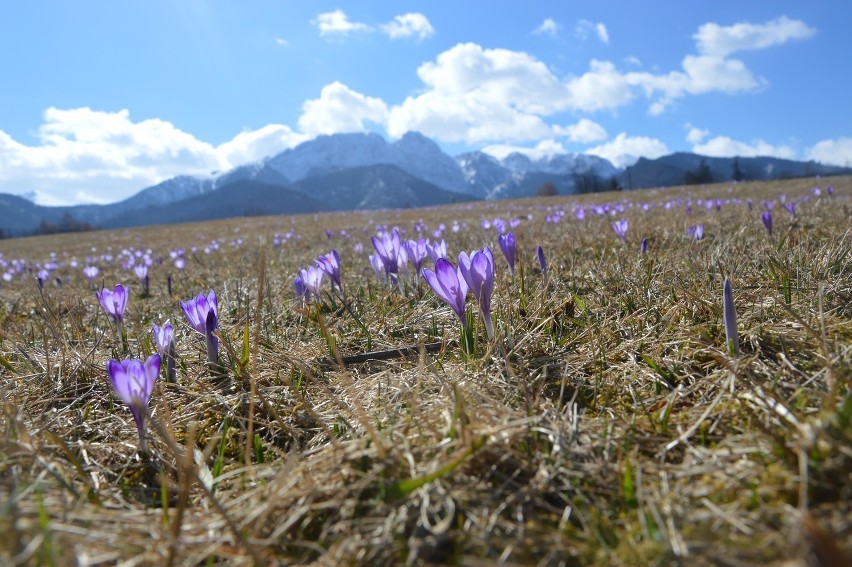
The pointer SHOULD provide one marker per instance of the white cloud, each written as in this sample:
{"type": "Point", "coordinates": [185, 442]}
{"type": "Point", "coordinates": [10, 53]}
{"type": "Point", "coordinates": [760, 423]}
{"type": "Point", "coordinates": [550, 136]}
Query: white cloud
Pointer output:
{"type": "Point", "coordinates": [584, 131]}
{"type": "Point", "coordinates": [97, 156]}
{"type": "Point", "coordinates": [544, 149]}
{"type": "Point", "coordinates": [602, 87]}
{"type": "Point", "coordinates": [723, 146]}
{"type": "Point", "coordinates": [474, 94]}
{"type": "Point", "coordinates": [603, 35]}
{"type": "Point", "coordinates": [341, 109]}
{"type": "Point", "coordinates": [695, 135]}
{"type": "Point", "coordinates": [834, 152]}
{"type": "Point", "coordinates": [586, 28]}
{"type": "Point", "coordinates": [281, 41]}
{"type": "Point", "coordinates": [720, 41]}
{"type": "Point", "coordinates": [548, 27]}
{"type": "Point", "coordinates": [701, 74]}
{"type": "Point", "coordinates": [337, 23]}
{"type": "Point", "coordinates": [625, 150]}
{"type": "Point", "coordinates": [412, 24]}
{"type": "Point", "coordinates": [253, 145]}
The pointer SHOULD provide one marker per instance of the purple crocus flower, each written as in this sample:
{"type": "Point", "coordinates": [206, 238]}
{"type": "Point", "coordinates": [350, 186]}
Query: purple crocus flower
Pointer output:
{"type": "Point", "coordinates": [696, 231]}
{"type": "Point", "coordinates": [141, 271]}
{"type": "Point", "coordinates": [478, 272]}
{"type": "Point", "coordinates": [387, 246]}
{"type": "Point", "coordinates": [417, 253]}
{"type": "Point", "coordinates": [114, 302]}
{"type": "Point", "coordinates": [202, 313]}
{"type": "Point", "coordinates": [448, 284]}
{"type": "Point", "coordinates": [378, 266]}
{"type": "Point", "coordinates": [330, 264]}
{"type": "Point", "coordinates": [133, 381]}
{"type": "Point", "coordinates": [643, 248]}
{"type": "Point", "coordinates": [301, 289]}
{"type": "Point", "coordinates": [620, 229]}
{"type": "Point", "coordinates": [766, 217]}
{"type": "Point", "coordinates": [791, 208]}
{"type": "Point", "coordinates": [91, 272]}
{"type": "Point", "coordinates": [164, 338]}
{"type": "Point", "coordinates": [309, 282]}
{"type": "Point", "coordinates": [507, 245]}
{"type": "Point", "coordinates": [196, 310]}
{"type": "Point", "coordinates": [437, 250]}
{"type": "Point", "coordinates": [542, 262]}
{"type": "Point", "coordinates": [730, 318]}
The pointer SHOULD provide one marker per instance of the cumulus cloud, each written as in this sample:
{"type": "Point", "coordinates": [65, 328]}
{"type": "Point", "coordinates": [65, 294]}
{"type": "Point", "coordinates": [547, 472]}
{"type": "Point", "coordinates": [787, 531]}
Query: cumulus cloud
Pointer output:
{"type": "Point", "coordinates": [253, 145]}
{"type": "Point", "coordinates": [625, 150]}
{"type": "Point", "coordinates": [337, 23]}
{"type": "Point", "coordinates": [721, 41]}
{"type": "Point", "coordinates": [341, 109]}
{"type": "Point", "coordinates": [723, 146]}
{"type": "Point", "coordinates": [833, 152]}
{"type": "Point", "coordinates": [412, 24]}
{"type": "Point", "coordinates": [96, 156]}
{"type": "Point", "coordinates": [281, 41]}
{"type": "Point", "coordinates": [542, 150]}
{"type": "Point", "coordinates": [700, 74]}
{"type": "Point", "coordinates": [475, 94]}
{"type": "Point", "coordinates": [548, 27]}
{"type": "Point", "coordinates": [585, 131]}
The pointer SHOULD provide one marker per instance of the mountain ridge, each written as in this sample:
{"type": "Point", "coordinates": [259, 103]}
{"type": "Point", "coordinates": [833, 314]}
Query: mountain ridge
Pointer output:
{"type": "Point", "coordinates": [363, 171]}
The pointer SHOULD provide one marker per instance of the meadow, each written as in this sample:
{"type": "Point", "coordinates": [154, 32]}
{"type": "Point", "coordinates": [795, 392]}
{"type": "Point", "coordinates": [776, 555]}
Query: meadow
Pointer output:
{"type": "Point", "coordinates": [609, 421]}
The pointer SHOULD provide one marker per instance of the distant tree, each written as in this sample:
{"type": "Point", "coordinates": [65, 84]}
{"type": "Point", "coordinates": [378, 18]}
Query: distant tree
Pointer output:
{"type": "Point", "coordinates": [547, 190]}
{"type": "Point", "coordinates": [738, 174]}
{"type": "Point", "coordinates": [614, 185]}
{"type": "Point", "coordinates": [701, 174]}
{"type": "Point", "coordinates": [68, 223]}
{"type": "Point", "coordinates": [586, 183]}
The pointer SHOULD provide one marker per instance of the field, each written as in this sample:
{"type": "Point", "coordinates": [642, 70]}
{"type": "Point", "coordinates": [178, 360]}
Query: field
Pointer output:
{"type": "Point", "coordinates": [608, 422]}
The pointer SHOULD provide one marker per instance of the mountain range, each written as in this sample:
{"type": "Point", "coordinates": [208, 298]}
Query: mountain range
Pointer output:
{"type": "Point", "coordinates": [364, 171]}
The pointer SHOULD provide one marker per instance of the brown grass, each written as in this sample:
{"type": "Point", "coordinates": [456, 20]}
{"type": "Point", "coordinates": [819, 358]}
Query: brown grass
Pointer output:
{"type": "Point", "coordinates": [606, 425]}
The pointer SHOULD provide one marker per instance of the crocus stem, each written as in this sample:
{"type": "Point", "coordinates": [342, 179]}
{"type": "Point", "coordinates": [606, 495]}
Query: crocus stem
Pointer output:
{"type": "Point", "coordinates": [122, 337]}
{"type": "Point", "coordinates": [171, 363]}
{"type": "Point", "coordinates": [212, 323]}
{"type": "Point", "coordinates": [489, 326]}
{"type": "Point", "coordinates": [212, 352]}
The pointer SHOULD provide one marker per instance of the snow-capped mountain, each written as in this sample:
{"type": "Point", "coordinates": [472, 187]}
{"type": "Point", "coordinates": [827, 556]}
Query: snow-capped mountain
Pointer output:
{"type": "Point", "coordinates": [475, 173]}
{"type": "Point", "coordinates": [414, 153]}
{"type": "Point", "coordinates": [171, 190]}
{"type": "Point", "coordinates": [518, 175]}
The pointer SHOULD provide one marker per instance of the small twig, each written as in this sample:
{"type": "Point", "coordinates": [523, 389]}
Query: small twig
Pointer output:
{"type": "Point", "coordinates": [377, 355]}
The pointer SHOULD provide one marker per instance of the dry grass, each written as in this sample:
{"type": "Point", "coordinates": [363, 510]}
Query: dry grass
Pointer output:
{"type": "Point", "coordinates": [606, 425]}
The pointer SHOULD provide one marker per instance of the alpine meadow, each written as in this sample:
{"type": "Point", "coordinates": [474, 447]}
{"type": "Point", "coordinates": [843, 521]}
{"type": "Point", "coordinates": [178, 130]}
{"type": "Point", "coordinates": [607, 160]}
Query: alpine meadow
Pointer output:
{"type": "Point", "coordinates": [642, 377]}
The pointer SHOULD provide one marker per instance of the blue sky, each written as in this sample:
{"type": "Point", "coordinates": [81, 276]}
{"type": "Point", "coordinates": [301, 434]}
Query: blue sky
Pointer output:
{"type": "Point", "coordinates": [100, 99]}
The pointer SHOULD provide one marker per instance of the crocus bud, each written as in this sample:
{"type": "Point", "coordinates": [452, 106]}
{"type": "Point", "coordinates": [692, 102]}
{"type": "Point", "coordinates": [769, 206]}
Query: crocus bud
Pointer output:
{"type": "Point", "coordinates": [730, 317]}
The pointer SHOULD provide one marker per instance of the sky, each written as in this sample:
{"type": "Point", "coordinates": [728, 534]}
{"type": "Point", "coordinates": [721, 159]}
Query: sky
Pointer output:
{"type": "Point", "coordinates": [100, 99]}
